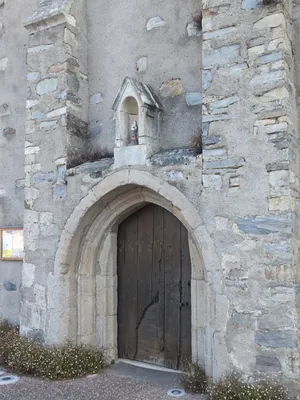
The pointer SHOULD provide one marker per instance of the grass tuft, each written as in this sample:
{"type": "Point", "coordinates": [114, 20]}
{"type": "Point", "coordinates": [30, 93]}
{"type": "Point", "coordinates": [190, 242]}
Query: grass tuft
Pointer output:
{"type": "Point", "coordinates": [194, 380]}
{"type": "Point", "coordinates": [74, 159]}
{"type": "Point", "coordinates": [233, 387]}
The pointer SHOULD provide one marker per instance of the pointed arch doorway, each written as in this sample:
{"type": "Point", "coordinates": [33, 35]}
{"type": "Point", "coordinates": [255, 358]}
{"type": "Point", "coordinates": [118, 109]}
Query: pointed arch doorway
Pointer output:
{"type": "Point", "coordinates": [154, 288]}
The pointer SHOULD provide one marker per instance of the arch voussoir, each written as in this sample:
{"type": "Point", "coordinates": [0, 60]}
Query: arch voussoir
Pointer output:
{"type": "Point", "coordinates": [88, 251]}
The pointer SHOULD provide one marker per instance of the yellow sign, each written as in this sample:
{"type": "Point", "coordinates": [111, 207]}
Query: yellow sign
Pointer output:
{"type": "Point", "coordinates": [12, 244]}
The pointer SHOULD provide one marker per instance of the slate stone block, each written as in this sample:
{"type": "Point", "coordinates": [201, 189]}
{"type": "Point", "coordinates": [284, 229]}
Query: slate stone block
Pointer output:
{"type": "Point", "coordinates": [221, 55]}
{"type": "Point", "coordinates": [10, 287]}
{"type": "Point", "coordinates": [193, 99]}
{"type": "Point", "coordinates": [230, 163]}
{"type": "Point", "coordinates": [262, 225]}
{"type": "Point", "coordinates": [276, 339]}
{"type": "Point", "coordinates": [268, 364]}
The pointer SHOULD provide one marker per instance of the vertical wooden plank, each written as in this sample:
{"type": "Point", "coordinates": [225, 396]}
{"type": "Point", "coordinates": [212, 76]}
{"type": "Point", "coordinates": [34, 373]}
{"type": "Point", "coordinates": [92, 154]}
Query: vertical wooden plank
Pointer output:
{"type": "Point", "coordinates": [121, 302]}
{"type": "Point", "coordinates": [131, 298]}
{"type": "Point", "coordinates": [144, 246]}
{"type": "Point", "coordinates": [145, 333]}
{"type": "Point", "coordinates": [185, 336]}
{"type": "Point", "coordinates": [172, 289]}
{"type": "Point", "coordinates": [129, 288]}
{"type": "Point", "coordinates": [158, 279]}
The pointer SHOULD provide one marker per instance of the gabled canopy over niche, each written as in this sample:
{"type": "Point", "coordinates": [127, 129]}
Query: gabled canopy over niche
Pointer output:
{"type": "Point", "coordinates": [137, 115]}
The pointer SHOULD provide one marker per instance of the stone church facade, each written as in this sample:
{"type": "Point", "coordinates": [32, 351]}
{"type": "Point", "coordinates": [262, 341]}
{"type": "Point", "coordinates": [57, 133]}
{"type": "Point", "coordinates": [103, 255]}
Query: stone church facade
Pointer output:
{"type": "Point", "coordinates": [100, 116]}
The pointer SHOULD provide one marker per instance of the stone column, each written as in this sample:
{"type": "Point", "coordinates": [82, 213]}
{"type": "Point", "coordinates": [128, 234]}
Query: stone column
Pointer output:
{"type": "Point", "coordinates": [251, 159]}
{"type": "Point", "coordinates": [56, 134]}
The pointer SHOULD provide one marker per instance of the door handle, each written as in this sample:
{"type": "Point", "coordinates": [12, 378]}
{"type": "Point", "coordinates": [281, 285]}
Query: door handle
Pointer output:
{"type": "Point", "coordinates": [185, 304]}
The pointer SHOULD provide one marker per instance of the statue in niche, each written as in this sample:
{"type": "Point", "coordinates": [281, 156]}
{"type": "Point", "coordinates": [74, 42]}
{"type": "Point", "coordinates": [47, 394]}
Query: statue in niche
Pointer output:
{"type": "Point", "coordinates": [134, 134]}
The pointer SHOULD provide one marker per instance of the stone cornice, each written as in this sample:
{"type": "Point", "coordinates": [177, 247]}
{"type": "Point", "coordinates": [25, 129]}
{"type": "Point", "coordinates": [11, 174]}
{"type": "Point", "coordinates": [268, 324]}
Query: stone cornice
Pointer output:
{"type": "Point", "coordinates": [51, 13]}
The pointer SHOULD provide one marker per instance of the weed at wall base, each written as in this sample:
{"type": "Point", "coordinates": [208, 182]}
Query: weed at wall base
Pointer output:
{"type": "Point", "coordinates": [24, 356]}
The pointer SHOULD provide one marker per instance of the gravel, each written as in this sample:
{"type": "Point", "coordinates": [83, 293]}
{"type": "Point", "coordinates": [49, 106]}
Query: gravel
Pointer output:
{"type": "Point", "coordinates": [106, 386]}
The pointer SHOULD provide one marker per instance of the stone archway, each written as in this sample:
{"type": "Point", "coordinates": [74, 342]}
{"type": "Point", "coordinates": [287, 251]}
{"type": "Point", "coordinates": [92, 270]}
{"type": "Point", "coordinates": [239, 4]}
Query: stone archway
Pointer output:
{"type": "Point", "coordinates": [82, 292]}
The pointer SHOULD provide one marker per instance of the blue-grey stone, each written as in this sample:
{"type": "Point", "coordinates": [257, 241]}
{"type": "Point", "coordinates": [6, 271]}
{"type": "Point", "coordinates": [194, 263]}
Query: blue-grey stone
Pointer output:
{"type": "Point", "coordinates": [205, 127]}
{"type": "Point", "coordinates": [248, 4]}
{"type": "Point", "coordinates": [73, 83]}
{"type": "Point", "coordinates": [96, 99]}
{"type": "Point", "coordinates": [95, 128]}
{"type": "Point", "coordinates": [242, 321]}
{"type": "Point", "coordinates": [230, 163]}
{"type": "Point", "coordinates": [275, 56]}
{"type": "Point", "coordinates": [48, 125]}
{"type": "Point", "coordinates": [40, 177]}
{"type": "Point", "coordinates": [210, 140]}
{"type": "Point", "coordinates": [174, 157]}
{"type": "Point", "coordinates": [224, 102]}
{"type": "Point", "coordinates": [280, 141]}
{"type": "Point", "coordinates": [61, 175]}
{"type": "Point", "coordinates": [28, 92]}
{"type": "Point", "coordinates": [221, 55]}
{"type": "Point", "coordinates": [36, 335]}
{"type": "Point", "coordinates": [61, 95]}
{"type": "Point", "coordinates": [74, 99]}
{"type": "Point", "coordinates": [276, 339]}
{"type": "Point", "coordinates": [37, 115]}
{"type": "Point", "coordinates": [268, 364]}
{"type": "Point", "coordinates": [33, 76]}
{"type": "Point", "coordinates": [193, 99]}
{"type": "Point", "coordinates": [9, 131]}
{"type": "Point", "coordinates": [206, 79]}
{"type": "Point", "coordinates": [60, 191]}
{"type": "Point", "coordinates": [281, 251]}
{"type": "Point", "coordinates": [219, 33]}
{"type": "Point", "coordinates": [256, 41]}
{"type": "Point", "coordinates": [10, 287]}
{"type": "Point", "coordinates": [263, 79]}
{"type": "Point", "coordinates": [278, 166]}
{"type": "Point", "coordinates": [262, 225]}
{"type": "Point", "coordinates": [237, 69]}
{"type": "Point", "coordinates": [20, 184]}
{"type": "Point", "coordinates": [212, 118]}
{"type": "Point", "coordinates": [46, 86]}
{"type": "Point", "coordinates": [275, 319]}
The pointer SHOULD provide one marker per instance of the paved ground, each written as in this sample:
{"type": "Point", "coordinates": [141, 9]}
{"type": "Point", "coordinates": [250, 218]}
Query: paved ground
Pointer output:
{"type": "Point", "coordinates": [120, 382]}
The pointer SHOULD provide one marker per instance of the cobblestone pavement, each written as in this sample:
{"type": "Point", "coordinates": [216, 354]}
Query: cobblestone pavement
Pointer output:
{"type": "Point", "coordinates": [110, 385]}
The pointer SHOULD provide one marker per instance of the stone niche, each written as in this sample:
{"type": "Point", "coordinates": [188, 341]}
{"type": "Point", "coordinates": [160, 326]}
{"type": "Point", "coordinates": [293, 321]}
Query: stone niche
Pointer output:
{"type": "Point", "coordinates": [137, 105]}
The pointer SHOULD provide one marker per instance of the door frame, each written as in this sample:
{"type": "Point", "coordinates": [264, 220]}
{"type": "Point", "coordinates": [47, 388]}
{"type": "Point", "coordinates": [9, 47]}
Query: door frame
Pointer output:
{"type": "Point", "coordinates": [82, 289]}
{"type": "Point", "coordinates": [100, 325]}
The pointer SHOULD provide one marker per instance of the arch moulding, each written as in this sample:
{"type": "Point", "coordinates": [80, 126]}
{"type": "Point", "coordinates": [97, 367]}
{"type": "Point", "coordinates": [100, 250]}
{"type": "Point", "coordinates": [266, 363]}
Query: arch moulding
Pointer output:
{"type": "Point", "coordinates": [82, 291]}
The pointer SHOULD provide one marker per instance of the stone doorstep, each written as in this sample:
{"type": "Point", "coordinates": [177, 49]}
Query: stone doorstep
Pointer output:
{"type": "Point", "coordinates": [151, 374]}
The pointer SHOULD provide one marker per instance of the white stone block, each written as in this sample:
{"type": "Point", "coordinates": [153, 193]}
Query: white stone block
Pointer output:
{"type": "Point", "coordinates": [279, 182]}
{"type": "Point", "coordinates": [131, 155]}
{"type": "Point", "coordinates": [271, 21]}
{"type": "Point", "coordinates": [221, 223]}
{"type": "Point", "coordinates": [57, 113]}
{"type": "Point", "coordinates": [3, 64]}
{"type": "Point", "coordinates": [28, 274]}
{"type": "Point", "coordinates": [212, 181]}
{"type": "Point", "coordinates": [40, 295]}
{"type": "Point", "coordinates": [155, 22]}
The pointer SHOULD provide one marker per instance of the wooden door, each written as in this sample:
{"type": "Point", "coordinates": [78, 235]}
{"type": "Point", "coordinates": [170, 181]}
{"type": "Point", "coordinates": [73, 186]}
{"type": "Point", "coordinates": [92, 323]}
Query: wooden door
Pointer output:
{"type": "Point", "coordinates": [154, 296]}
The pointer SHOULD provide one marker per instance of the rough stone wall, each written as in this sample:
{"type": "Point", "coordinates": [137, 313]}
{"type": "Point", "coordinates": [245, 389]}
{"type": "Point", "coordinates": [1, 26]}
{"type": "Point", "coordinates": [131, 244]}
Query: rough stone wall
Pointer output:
{"type": "Point", "coordinates": [56, 119]}
{"type": "Point", "coordinates": [250, 158]}
{"type": "Point", "coordinates": [155, 42]}
{"type": "Point", "coordinates": [245, 186]}
{"type": "Point", "coordinates": [56, 132]}
{"type": "Point", "coordinates": [13, 49]}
